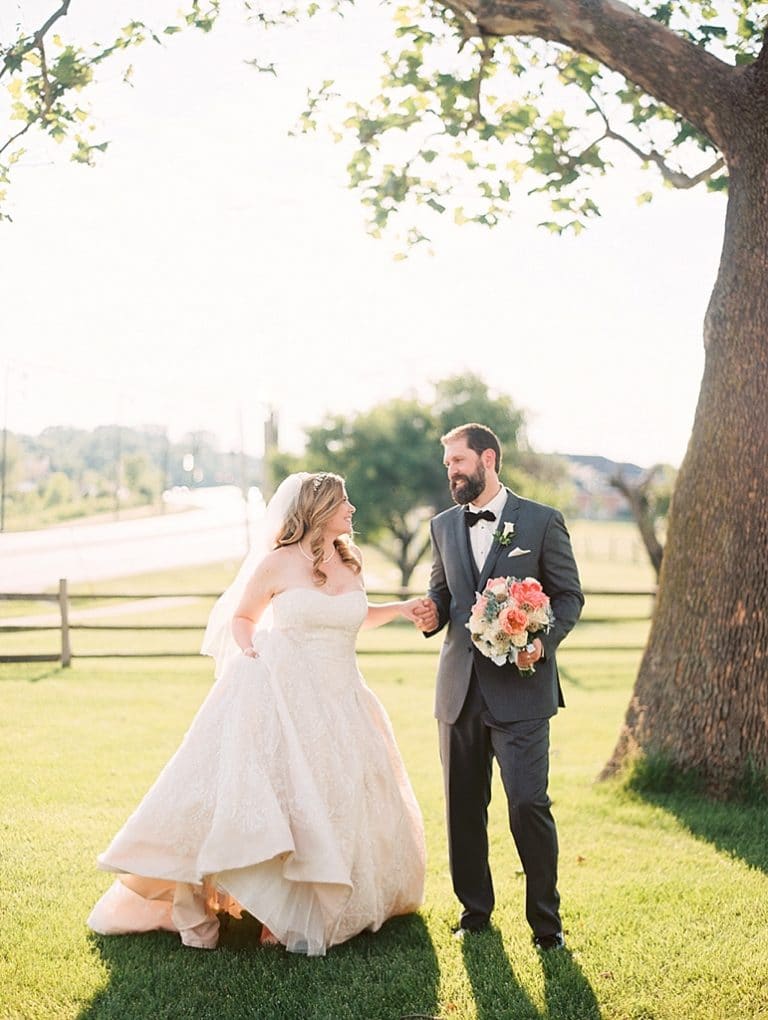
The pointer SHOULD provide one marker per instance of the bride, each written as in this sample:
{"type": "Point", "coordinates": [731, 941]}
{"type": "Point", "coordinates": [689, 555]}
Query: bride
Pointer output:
{"type": "Point", "coordinates": [287, 797]}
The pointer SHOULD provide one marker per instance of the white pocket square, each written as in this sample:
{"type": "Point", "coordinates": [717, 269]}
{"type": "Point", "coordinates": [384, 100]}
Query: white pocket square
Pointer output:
{"type": "Point", "coordinates": [517, 551]}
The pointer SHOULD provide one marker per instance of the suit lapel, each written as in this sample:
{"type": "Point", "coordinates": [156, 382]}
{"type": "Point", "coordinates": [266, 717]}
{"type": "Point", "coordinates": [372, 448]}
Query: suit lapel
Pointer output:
{"type": "Point", "coordinates": [461, 542]}
{"type": "Point", "coordinates": [508, 515]}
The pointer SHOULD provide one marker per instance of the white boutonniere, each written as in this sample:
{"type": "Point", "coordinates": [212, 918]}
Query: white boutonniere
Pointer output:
{"type": "Point", "coordinates": [504, 536]}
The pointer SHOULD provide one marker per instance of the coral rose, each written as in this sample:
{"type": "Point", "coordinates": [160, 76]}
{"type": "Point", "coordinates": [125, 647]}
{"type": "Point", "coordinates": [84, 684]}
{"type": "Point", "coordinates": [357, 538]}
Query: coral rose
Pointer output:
{"type": "Point", "coordinates": [513, 620]}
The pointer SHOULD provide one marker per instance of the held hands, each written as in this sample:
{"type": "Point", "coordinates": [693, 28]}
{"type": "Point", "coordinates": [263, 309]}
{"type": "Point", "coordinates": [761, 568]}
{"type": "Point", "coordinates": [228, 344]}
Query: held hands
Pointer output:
{"type": "Point", "coordinates": [250, 653]}
{"type": "Point", "coordinates": [410, 608]}
{"type": "Point", "coordinates": [425, 615]}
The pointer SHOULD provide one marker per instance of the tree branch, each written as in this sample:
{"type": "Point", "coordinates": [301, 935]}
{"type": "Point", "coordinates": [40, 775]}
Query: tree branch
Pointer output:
{"type": "Point", "coordinates": [18, 134]}
{"type": "Point", "coordinates": [47, 99]}
{"type": "Point", "coordinates": [35, 40]}
{"type": "Point", "coordinates": [674, 177]}
{"type": "Point", "coordinates": [424, 547]}
{"type": "Point", "coordinates": [486, 55]}
{"type": "Point", "coordinates": [686, 77]}
{"type": "Point", "coordinates": [636, 495]}
{"type": "Point", "coordinates": [469, 26]}
{"type": "Point", "coordinates": [387, 552]}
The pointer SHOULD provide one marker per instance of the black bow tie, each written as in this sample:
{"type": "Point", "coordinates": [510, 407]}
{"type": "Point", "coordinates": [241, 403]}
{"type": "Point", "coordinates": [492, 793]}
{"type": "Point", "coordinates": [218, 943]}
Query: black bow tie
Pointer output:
{"type": "Point", "coordinates": [471, 518]}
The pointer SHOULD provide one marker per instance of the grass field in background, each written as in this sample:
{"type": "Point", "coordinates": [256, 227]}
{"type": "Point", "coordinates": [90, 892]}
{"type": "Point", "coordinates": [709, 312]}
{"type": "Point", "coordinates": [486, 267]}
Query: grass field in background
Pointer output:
{"type": "Point", "coordinates": [665, 903]}
{"type": "Point", "coordinates": [609, 555]}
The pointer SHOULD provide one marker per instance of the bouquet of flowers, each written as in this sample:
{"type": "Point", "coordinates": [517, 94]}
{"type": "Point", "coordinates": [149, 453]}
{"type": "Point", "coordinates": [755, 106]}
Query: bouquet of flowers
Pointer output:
{"type": "Point", "coordinates": [505, 617]}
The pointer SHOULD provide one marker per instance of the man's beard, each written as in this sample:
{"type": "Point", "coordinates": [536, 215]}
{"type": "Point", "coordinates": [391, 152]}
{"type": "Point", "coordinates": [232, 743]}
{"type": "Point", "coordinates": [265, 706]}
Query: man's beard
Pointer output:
{"type": "Point", "coordinates": [466, 488]}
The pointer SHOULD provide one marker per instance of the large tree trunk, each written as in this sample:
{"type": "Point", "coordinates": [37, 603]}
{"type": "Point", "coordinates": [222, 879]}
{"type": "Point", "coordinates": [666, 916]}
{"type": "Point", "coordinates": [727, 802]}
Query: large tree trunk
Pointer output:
{"type": "Point", "coordinates": [701, 696]}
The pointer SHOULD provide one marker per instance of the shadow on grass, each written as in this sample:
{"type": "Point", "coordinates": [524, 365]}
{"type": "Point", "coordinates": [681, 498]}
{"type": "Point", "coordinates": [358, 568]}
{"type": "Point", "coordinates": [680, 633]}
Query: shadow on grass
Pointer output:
{"type": "Point", "coordinates": [31, 676]}
{"type": "Point", "coordinates": [381, 976]}
{"type": "Point", "coordinates": [738, 829]}
{"type": "Point", "coordinates": [48, 674]}
{"type": "Point", "coordinates": [568, 994]}
{"type": "Point", "coordinates": [499, 995]}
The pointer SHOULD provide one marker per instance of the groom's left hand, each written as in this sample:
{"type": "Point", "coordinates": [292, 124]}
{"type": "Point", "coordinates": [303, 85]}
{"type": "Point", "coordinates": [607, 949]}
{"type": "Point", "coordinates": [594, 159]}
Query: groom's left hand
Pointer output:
{"type": "Point", "coordinates": [526, 659]}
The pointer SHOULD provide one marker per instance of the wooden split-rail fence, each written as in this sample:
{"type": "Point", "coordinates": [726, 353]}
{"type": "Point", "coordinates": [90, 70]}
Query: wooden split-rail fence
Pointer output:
{"type": "Point", "coordinates": [65, 624]}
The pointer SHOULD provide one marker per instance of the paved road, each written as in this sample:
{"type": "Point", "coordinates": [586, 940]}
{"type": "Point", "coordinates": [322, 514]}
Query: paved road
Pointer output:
{"type": "Point", "coordinates": [35, 560]}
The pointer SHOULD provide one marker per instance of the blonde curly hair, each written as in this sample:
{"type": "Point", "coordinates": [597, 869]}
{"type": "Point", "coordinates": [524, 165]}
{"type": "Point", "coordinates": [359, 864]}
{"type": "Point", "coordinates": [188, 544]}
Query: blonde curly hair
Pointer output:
{"type": "Point", "coordinates": [317, 501]}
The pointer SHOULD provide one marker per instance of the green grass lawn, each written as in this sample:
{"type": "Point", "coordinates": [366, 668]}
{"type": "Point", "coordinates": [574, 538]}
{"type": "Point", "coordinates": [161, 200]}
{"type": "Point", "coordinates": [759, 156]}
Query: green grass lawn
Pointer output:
{"type": "Point", "coordinates": [665, 900]}
{"type": "Point", "coordinates": [664, 897]}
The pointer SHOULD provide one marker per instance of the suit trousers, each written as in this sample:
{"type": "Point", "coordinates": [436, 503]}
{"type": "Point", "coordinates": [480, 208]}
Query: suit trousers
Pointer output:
{"type": "Point", "coordinates": [467, 750]}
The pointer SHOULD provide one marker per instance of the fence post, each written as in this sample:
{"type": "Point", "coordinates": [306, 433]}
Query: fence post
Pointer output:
{"type": "Point", "coordinates": [66, 651]}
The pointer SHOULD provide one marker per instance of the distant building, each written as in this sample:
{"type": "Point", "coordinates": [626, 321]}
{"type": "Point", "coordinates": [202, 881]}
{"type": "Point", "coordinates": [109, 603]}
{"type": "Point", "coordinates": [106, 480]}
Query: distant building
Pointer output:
{"type": "Point", "coordinates": [595, 498]}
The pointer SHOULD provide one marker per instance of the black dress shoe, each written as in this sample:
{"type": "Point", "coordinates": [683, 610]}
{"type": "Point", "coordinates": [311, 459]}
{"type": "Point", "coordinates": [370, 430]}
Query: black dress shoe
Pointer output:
{"type": "Point", "coordinates": [463, 930]}
{"type": "Point", "coordinates": [548, 942]}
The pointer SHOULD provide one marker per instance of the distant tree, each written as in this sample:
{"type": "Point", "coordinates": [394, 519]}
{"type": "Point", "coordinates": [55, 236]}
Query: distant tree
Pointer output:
{"type": "Point", "coordinates": [391, 458]}
{"type": "Point", "coordinates": [9, 464]}
{"type": "Point", "coordinates": [148, 462]}
{"type": "Point", "coordinates": [57, 490]}
{"type": "Point", "coordinates": [464, 398]}
{"type": "Point", "coordinates": [544, 477]}
{"type": "Point", "coordinates": [12, 464]}
{"type": "Point", "coordinates": [141, 478]}
{"type": "Point", "coordinates": [649, 499]}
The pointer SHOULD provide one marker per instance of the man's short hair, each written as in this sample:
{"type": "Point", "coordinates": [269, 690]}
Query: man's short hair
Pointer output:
{"type": "Point", "coordinates": [477, 437]}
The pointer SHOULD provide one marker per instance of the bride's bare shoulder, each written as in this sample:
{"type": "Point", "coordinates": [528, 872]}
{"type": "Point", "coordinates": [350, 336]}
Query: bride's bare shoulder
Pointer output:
{"type": "Point", "coordinates": [275, 563]}
{"type": "Point", "coordinates": [280, 558]}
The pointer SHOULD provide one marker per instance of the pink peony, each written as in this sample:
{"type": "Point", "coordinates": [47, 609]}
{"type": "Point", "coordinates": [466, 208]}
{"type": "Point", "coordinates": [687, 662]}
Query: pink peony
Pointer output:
{"type": "Point", "coordinates": [513, 620]}
{"type": "Point", "coordinates": [536, 599]}
{"type": "Point", "coordinates": [529, 593]}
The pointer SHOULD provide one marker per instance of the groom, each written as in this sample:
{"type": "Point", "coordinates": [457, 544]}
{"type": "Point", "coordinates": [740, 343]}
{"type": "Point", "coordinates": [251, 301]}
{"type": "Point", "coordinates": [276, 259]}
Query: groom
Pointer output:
{"type": "Point", "coordinates": [485, 711]}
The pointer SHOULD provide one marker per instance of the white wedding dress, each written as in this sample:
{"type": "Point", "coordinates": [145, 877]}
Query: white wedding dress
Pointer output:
{"type": "Point", "coordinates": [287, 798]}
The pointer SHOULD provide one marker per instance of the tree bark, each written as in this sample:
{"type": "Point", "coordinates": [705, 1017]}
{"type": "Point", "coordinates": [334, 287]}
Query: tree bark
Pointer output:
{"type": "Point", "coordinates": [701, 696]}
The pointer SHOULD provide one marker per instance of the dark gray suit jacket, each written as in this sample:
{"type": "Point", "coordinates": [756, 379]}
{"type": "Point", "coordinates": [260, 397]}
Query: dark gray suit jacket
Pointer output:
{"type": "Point", "coordinates": [540, 547]}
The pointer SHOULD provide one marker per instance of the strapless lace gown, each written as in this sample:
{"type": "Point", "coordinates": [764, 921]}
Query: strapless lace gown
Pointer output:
{"type": "Point", "coordinates": [287, 798]}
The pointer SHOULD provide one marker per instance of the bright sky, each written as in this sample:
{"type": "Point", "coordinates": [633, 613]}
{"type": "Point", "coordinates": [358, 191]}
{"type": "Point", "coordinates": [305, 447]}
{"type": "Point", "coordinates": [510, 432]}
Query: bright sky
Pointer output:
{"type": "Point", "coordinates": [211, 266]}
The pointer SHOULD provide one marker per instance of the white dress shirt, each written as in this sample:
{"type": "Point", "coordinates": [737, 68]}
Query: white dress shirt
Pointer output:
{"type": "Point", "coordinates": [481, 534]}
